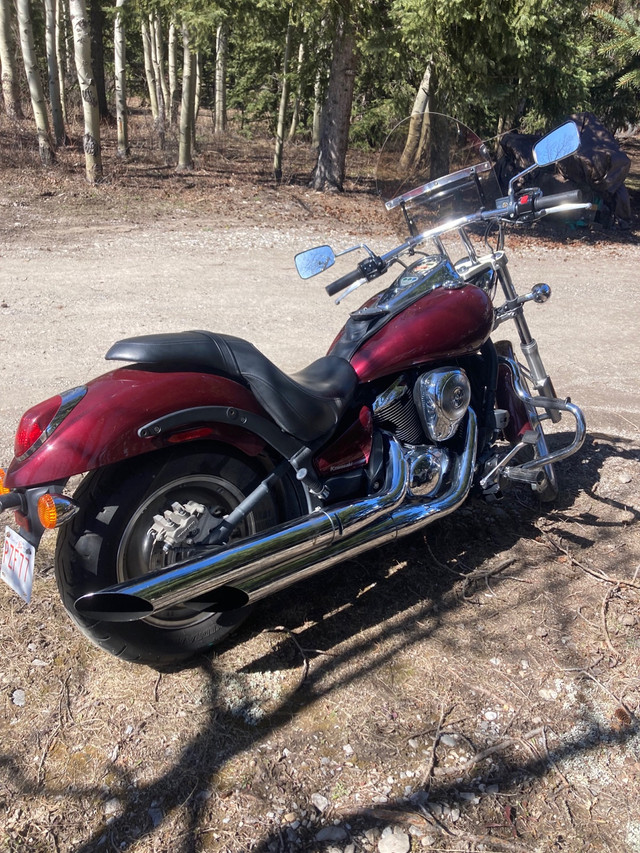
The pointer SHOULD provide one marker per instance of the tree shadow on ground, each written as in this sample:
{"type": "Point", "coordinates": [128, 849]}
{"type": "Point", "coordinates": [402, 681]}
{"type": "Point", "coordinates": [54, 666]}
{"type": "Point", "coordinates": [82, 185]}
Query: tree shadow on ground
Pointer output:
{"type": "Point", "coordinates": [356, 602]}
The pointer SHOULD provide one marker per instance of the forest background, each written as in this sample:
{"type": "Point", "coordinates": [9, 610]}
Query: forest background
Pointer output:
{"type": "Point", "coordinates": [333, 73]}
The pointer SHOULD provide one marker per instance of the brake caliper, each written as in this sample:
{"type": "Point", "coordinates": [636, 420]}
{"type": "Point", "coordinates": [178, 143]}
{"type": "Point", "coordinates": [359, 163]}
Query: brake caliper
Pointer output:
{"type": "Point", "coordinates": [186, 524]}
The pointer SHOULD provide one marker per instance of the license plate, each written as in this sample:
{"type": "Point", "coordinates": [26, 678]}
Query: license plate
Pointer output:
{"type": "Point", "coordinates": [18, 558]}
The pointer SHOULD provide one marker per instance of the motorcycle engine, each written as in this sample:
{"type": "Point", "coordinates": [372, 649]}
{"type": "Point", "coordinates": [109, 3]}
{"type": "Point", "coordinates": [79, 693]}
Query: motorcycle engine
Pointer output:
{"type": "Point", "coordinates": [433, 411]}
{"type": "Point", "coordinates": [395, 410]}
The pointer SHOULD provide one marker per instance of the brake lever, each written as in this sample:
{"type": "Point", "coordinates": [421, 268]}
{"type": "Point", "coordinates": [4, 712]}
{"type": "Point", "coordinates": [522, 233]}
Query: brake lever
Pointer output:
{"type": "Point", "coordinates": [350, 289]}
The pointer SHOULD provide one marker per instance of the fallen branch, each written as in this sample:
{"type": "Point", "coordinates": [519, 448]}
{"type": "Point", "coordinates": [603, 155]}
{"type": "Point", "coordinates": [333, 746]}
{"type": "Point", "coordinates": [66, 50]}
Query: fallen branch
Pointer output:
{"type": "Point", "coordinates": [485, 753]}
{"type": "Point", "coordinates": [601, 576]}
{"type": "Point", "coordinates": [426, 777]}
{"type": "Point", "coordinates": [580, 671]}
{"type": "Point", "coordinates": [603, 618]}
{"type": "Point", "coordinates": [485, 574]}
{"type": "Point", "coordinates": [305, 666]}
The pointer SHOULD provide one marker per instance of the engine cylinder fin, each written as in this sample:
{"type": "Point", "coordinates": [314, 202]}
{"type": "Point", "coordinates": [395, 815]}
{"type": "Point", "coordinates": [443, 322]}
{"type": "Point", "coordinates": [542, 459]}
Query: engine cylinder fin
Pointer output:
{"type": "Point", "coordinates": [396, 412]}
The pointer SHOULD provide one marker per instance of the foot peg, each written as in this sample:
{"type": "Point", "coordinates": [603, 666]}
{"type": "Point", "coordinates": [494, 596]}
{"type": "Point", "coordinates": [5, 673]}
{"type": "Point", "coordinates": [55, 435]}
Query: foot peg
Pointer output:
{"type": "Point", "coordinates": [528, 438]}
{"type": "Point", "coordinates": [521, 475]}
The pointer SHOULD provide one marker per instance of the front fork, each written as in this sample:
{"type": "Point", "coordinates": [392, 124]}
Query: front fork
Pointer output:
{"type": "Point", "coordinates": [546, 400]}
{"type": "Point", "coordinates": [514, 310]}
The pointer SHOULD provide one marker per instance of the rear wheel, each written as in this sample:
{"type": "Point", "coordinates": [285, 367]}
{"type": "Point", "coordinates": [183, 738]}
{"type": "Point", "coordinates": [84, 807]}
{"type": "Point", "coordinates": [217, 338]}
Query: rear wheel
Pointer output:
{"type": "Point", "coordinates": [111, 540]}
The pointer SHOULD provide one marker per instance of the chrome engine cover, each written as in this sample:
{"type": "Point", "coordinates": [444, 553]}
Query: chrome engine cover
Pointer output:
{"type": "Point", "coordinates": [427, 468]}
{"type": "Point", "coordinates": [442, 398]}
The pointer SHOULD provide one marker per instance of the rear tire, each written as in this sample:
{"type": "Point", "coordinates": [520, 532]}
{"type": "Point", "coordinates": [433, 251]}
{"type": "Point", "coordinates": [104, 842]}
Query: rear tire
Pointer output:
{"type": "Point", "coordinates": [109, 541]}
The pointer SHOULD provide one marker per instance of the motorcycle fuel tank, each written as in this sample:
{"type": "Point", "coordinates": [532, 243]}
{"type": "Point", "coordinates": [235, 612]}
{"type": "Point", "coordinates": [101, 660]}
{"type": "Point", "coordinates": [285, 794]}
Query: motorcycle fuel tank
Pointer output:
{"type": "Point", "coordinates": [428, 314]}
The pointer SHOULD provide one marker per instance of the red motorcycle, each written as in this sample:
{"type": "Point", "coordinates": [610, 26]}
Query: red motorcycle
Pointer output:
{"type": "Point", "coordinates": [213, 479]}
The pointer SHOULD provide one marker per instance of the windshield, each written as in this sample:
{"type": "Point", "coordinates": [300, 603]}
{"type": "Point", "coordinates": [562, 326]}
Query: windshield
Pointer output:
{"type": "Point", "coordinates": [433, 168]}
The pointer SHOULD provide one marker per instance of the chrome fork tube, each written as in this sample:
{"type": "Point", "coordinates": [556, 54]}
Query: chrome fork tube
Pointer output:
{"type": "Point", "coordinates": [528, 344]}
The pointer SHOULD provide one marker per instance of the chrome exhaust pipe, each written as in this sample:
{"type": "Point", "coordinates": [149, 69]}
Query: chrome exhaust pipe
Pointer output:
{"type": "Point", "coordinates": [269, 562]}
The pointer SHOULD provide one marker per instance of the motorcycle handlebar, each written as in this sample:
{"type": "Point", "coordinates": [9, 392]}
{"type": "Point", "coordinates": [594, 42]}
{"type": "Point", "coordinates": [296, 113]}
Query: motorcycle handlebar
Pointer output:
{"type": "Point", "coordinates": [340, 283]}
{"type": "Point", "coordinates": [546, 202]}
{"type": "Point", "coordinates": [537, 204]}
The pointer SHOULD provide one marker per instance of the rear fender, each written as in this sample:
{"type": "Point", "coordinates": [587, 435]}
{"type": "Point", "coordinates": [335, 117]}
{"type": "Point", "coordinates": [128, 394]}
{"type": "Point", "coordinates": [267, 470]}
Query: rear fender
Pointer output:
{"type": "Point", "coordinates": [105, 426]}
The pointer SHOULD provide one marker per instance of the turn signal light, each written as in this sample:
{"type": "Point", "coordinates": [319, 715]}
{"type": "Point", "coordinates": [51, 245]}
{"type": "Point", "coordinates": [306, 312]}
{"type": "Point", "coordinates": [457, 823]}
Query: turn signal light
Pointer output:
{"type": "Point", "coordinates": [55, 510]}
{"type": "Point", "coordinates": [3, 489]}
{"type": "Point", "coordinates": [47, 512]}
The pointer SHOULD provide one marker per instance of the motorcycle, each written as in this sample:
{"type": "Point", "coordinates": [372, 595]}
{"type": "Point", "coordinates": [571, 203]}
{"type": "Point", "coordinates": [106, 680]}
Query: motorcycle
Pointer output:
{"type": "Point", "coordinates": [212, 479]}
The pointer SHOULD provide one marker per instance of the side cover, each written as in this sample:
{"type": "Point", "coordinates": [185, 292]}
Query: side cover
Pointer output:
{"type": "Point", "coordinates": [103, 427]}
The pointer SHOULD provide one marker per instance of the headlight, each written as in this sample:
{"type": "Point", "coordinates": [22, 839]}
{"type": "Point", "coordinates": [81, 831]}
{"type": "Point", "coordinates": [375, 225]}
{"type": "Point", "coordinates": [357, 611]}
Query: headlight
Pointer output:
{"type": "Point", "coordinates": [442, 398]}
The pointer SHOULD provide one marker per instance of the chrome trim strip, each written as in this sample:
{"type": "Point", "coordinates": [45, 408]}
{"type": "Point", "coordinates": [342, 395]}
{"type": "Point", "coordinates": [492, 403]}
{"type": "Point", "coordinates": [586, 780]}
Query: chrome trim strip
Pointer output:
{"type": "Point", "coordinates": [273, 561]}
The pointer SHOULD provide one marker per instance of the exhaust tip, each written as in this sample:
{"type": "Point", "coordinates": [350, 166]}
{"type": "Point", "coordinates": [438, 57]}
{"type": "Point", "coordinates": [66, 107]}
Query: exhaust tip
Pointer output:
{"type": "Point", "coordinates": [121, 607]}
{"type": "Point", "coordinates": [112, 607]}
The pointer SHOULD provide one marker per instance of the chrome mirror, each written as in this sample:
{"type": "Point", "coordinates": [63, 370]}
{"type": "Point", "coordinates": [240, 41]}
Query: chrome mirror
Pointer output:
{"type": "Point", "coordinates": [560, 143]}
{"type": "Point", "coordinates": [314, 261]}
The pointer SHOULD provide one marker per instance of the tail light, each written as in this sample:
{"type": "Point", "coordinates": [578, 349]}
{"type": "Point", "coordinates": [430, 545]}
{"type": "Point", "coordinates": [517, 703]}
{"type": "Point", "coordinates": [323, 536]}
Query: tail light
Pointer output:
{"type": "Point", "coordinates": [39, 422]}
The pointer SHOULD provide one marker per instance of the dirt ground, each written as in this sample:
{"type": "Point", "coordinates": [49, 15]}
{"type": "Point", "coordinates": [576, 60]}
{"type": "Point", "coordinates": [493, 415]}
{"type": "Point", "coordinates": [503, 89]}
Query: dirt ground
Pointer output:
{"type": "Point", "coordinates": [474, 688]}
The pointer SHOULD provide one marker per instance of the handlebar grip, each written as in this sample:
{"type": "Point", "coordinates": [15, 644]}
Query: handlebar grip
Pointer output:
{"type": "Point", "coordinates": [546, 202]}
{"type": "Point", "coordinates": [340, 283]}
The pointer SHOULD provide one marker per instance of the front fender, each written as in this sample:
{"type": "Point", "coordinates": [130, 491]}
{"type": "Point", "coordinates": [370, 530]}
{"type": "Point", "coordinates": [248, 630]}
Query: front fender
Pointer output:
{"type": "Point", "coordinates": [103, 426]}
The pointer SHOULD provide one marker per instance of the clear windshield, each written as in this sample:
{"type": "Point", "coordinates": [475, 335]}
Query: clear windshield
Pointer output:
{"type": "Point", "coordinates": [433, 168]}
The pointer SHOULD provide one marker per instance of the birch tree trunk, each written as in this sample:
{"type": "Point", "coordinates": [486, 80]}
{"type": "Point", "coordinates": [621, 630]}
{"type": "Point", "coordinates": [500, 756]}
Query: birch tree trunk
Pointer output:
{"type": "Point", "coordinates": [185, 154]}
{"type": "Point", "coordinates": [420, 107]}
{"type": "Point", "coordinates": [174, 97]}
{"type": "Point", "coordinates": [82, 51]}
{"type": "Point", "coordinates": [120, 64]}
{"type": "Point", "coordinates": [96, 28]}
{"type": "Point", "coordinates": [54, 76]}
{"type": "Point", "coordinates": [40, 115]}
{"type": "Point", "coordinates": [317, 109]}
{"type": "Point", "coordinates": [318, 90]}
{"type": "Point", "coordinates": [222, 49]}
{"type": "Point", "coordinates": [336, 115]}
{"type": "Point", "coordinates": [197, 86]}
{"type": "Point", "coordinates": [159, 47]}
{"type": "Point", "coordinates": [148, 68]}
{"type": "Point", "coordinates": [282, 112]}
{"type": "Point", "coordinates": [295, 118]}
{"type": "Point", "coordinates": [10, 88]}
{"type": "Point", "coordinates": [156, 49]}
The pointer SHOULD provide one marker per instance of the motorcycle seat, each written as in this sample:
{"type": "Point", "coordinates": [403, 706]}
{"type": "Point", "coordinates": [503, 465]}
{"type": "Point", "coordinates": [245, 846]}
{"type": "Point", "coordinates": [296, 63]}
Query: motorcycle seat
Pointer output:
{"type": "Point", "coordinates": [307, 404]}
